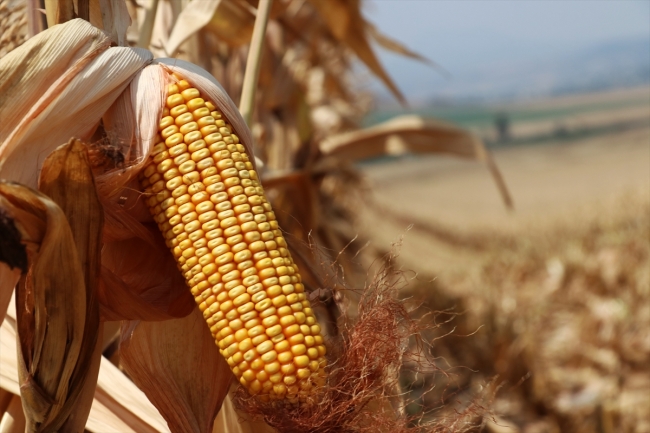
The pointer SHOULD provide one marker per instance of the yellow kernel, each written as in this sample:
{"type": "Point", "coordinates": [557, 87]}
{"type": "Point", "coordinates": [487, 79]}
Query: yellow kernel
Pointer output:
{"type": "Point", "coordinates": [298, 349]}
{"type": "Point", "coordinates": [285, 357]}
{"type": "Point", "coordinates": [274, 291]}
{"type": "Point", "coordinates": [272, 368]}
{"type": "Point", "coordinates": [270, 321]}
{"type": "Point", "coordinates": [292, 330]}
{"type": "Point", "coordinates": [249, 375]}
{"type": "Point", "coordinates": [241, 299]}
{"type": "Point", "coordinates": [268, 312]}
{"type": "Point", "coordinates": [274, 330]}
{"type": "Point", "coordinates": [289, 380]}
{"type": "Point", "coordinates": [285, 310]}
{"type": "Point", "coordinates": [245, 344]}
{"type": "Point", "coordinates": [259, 339]}
{"type": "Point", "coordinates": [287, 320]}
{"type": "Point", "coordinates": [279, 301]}
{"type": "Point", "coordinates": [269, 356]}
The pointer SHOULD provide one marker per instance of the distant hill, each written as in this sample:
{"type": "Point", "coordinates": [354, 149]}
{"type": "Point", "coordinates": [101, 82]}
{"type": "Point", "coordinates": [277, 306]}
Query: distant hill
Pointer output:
{"type": "Point", "coordinates": [609, 65]}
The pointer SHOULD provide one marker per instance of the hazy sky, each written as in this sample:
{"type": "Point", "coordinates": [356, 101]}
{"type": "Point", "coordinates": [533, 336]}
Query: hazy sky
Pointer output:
{"type": "Point", "coordinates": [465, 36]}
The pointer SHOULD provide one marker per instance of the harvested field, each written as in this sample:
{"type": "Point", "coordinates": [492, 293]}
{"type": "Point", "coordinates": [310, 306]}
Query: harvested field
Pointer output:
{"type": "Point", "coordinates": [553, 299]}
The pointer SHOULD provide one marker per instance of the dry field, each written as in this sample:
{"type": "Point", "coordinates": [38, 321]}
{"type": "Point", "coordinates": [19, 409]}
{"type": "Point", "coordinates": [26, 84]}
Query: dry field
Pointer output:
{"type": "Point", "coordinates": [552, 299]}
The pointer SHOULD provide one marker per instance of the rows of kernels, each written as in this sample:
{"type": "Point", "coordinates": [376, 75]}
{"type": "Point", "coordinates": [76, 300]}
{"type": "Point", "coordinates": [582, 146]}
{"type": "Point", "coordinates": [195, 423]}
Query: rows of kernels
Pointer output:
{"type": "Point", "coordinates": [209, 204]}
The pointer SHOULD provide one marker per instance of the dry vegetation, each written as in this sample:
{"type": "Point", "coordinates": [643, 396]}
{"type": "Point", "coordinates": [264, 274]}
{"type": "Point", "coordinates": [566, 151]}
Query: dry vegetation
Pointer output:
{"type": "Point", "coordinates": [546, 330]}
{"type": "Point", "coordinates": [560, 316]}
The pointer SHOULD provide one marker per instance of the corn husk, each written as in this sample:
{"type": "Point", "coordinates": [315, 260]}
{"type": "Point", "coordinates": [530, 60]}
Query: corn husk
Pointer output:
{"type": "Point", "coordinates": [8, 279]}
{"type": "Point", "coordinates": [118, 405]}
{"type": "Point", "coordinates": [56, 300]}
{"type": "Point", "coordinates": [52, 302]}
{"type": "Point", "coordinates": [161, 357]}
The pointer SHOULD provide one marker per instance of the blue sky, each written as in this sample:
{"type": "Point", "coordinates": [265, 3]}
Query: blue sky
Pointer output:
{"type": "Point", "coordinates": [469, 36]}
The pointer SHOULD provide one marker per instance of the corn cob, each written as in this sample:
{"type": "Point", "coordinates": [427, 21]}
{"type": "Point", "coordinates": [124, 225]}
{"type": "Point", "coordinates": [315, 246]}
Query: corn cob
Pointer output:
{"type": "Point", "coordinates": [206, 198]}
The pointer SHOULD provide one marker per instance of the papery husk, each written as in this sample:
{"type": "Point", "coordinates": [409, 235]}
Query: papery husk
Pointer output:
{"type": "Point", "coordinates": [51, 305]}
{"type": "Point", "coordinates": [8, 279]}
{"type": "Point", "coordinates": [13, 256]}
{"type": "Point", "coordinates": [67, 179]}
{"type": "Point", "coordinates": [55, 86]}
{"type": "Point", "coordinates": [179, 368]}
{"type": "Point", "coordinates": [55, 301]}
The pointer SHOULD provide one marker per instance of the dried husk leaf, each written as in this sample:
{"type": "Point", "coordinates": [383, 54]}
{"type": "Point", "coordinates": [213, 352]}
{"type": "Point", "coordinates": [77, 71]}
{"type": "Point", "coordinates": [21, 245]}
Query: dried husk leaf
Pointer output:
{"type": "Point", "coordinates": [13, 256]}
{"type": "Point", "coordinates": [51, 306]}
{"type": "Point", "coordinates": [413, 134]}
{"type": "Point", "coordinates": [55, 300]}
{"type": "Point", "coordinates": [85, 81]}
{"type": "Point", "coordinates": [140, 281]}
{"type": "Point", "coordinates": [8, 279]}
{"type": "Point", "coordinates": [179, 368]}
{"type": "Point", "coordinates": [67, 179]}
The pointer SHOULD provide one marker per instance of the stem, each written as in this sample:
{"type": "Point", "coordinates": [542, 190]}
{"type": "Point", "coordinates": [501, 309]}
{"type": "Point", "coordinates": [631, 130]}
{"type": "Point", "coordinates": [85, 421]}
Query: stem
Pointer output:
{"type": "Point", "coordinates": [253, 61]}
{"type": "Point", "coordinates": [83, 9]}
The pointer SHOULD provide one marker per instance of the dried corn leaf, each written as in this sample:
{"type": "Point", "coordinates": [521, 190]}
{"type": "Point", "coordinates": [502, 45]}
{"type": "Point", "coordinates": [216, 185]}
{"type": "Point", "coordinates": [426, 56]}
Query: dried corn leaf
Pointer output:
{"type": "Point", "coordinates": [227, 19]}
{"type": "Point", "coordinates": [413, 134]}
{"type": "Point", "coordinates": [344, 19]}
{"type": "Point", "coordinates": [119, 395]}
{"type": "Point", "coordinates": [51, 307]}
{"type": "Point", "coordinates": [52, 298]}
{"type": "Point", "coordinates": [393, 45]}
{"type": "Point", "coordinates": [8, 279]}
{"type": "Point", "coordinates": [192, 18]}
{"type": "Point", "coordinates": [114, 16]}
{"type": "Point", "coordinates": [13, 256]}
{"type": "Point", "coordinates": [67, 179]}
{"type": "Point", "coordinates": [140, 281]}
{"type": "Point", "coordinates": [59, 11]}
{"type": "Point", "coordinates": [178, 366]}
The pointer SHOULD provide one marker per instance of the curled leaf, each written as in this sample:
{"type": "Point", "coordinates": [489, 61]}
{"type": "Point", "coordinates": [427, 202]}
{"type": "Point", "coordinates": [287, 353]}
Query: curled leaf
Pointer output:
{"type": "Point", "coordinates": [417, 135]}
